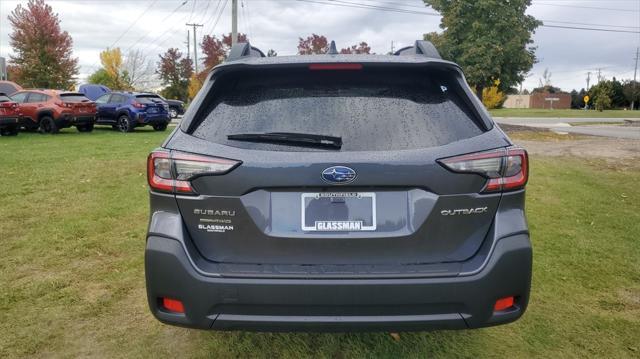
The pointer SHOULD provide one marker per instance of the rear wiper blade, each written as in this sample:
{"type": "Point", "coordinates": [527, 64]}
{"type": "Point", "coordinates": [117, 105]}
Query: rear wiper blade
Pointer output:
{"type": "Point", "coordinates": [290, 138]}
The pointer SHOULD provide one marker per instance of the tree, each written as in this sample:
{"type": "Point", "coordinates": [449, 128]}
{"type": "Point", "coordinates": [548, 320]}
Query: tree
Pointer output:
{"type": "Point", "coordinates": [216, 50]}
{"type": "Point", "coordinates": [314, 44]}
{"type": "Point", "coordinates": [43, 52]}
{"type": "Point", "coordinates": [601, 94]}
{"type": "Point", "coordinates": [492, 97]}
{"type": "Point", "coordinates": [361, 48]}
{"type": "Point", "coordinates": [100, 77]}
{"type": "Point", "coordinates": [488, 38]}
{"type": "Point", "coordinates": [631, 91]}
{"type": "Point", "coordinates": [139, 69]}
{"type": "Point", "coordinates": [195, 84]}
{"type": "Point", "coordinates": [175, 73]}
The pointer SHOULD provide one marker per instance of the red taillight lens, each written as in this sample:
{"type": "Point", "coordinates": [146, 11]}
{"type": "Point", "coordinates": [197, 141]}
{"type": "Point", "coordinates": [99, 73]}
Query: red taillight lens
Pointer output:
{"type": "Point", "coordinates": [173, 305]}
{"type": "Point", "coordinates": [137, 104]}
{"type": "Point", "coordinates": [506, 169]}
{"type": "Point", "coordinates": [8, 104]}
{"type": "Point", "coordinates": [172, 171]}
{"type": "Point", "coordinates": [346, 66]}
{"type": "Point", "coordinates": [504, 303]}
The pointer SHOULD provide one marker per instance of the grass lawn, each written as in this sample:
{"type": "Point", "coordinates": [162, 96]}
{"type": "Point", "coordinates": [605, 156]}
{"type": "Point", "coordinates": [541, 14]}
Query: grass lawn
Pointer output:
{"type": "Point", "coordinates": [73, 218]}
{"type": "Point", "coordinates": [534, 112]}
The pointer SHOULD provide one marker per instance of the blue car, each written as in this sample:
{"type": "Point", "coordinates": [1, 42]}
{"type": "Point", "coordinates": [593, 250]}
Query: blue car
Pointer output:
{"type": "Point", "coordinates": [125, 111]}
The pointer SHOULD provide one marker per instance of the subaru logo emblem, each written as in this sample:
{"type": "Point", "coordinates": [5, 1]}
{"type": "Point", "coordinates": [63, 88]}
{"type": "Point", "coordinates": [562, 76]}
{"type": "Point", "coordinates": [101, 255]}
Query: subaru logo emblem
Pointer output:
{"type": "Point", "coordinates": [338, 175]}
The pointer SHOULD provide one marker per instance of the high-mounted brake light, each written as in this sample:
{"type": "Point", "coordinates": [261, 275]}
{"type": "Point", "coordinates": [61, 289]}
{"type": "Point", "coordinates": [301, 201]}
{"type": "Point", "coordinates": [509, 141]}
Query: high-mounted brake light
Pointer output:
{"type": "Point", "coordinates": [172, 172]}
{"type": "Point", "coordinates": [506, 169]}
{"type": "Point", "coordinates": [345, 66]}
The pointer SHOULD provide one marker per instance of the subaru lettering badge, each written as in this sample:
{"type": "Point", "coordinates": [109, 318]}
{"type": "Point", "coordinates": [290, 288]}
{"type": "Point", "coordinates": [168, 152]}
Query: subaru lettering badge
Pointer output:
{"type": "Point", "coordinates": [338, 175]}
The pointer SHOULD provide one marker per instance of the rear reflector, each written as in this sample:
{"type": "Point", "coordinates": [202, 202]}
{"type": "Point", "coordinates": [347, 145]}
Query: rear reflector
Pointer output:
{"type": "Point", "coordinates": [506, 169]}
{"type": "Point", "coordinates": [173, 305]}
{"type": "Point", "coordinates": [347, 66]}
{"type": "Point", "coordinates": [503, 303]}
{"type": "Point", "coordinates": [172, 172]}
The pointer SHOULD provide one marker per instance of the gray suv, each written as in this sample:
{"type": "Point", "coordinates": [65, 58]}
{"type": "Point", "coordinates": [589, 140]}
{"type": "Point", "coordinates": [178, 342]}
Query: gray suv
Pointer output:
{"type": "Point", "coordinates": [337, 192]}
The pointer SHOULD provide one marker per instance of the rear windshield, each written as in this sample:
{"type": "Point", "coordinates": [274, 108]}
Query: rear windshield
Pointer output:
{"type": "Point", "coordinates": [73, 97]}
{"type": "Point", "coordinates": [4, 98]}
{"type": "Point", "coordinates": [370, 111]}
{"type": "Point", "coordinates": [148, 99]}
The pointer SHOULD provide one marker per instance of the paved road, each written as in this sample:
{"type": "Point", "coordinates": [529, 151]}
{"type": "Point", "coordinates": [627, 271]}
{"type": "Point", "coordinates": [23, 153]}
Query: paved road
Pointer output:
{"type": "Point", "coordinates": [615, 130]}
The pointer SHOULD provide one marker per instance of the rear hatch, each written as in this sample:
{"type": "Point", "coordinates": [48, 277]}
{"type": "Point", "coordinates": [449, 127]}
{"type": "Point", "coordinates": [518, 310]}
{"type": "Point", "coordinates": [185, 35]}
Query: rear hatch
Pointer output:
{"type": "Point", "coordinates": [152, 104]}
{"type": "Point", "coordinates": [380, 198]}
{"type": "Point", "coordinates": [79, 104]}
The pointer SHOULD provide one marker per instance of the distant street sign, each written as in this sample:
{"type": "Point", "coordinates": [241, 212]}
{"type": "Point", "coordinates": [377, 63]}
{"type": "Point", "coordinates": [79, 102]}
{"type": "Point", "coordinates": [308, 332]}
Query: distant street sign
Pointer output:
{"type": "Point", "coordinates": [586, 99]}
{"type": "Point", "coordinates": [551, 101]}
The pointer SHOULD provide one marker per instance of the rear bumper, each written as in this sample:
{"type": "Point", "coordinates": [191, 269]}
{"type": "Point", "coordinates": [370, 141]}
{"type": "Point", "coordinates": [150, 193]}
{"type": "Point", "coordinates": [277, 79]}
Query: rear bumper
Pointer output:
{"type": "Point", "coordinates": [403, 304]}
{"type": "Point", "coordinates": [9, 121]}
{"type": "Point", "coordinates": [67, 120]}
{"type": "Point", "coordinates": [143, 118]}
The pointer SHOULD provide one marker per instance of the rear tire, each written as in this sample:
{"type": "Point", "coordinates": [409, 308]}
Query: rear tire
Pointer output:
{"type": "Point", "coordinates": [85, 128]}
{"type": "Point", "coordinates": [125, 124]}
{"type": "Point", "coordinates": [48, 125]}
{"type": "Point", "coordinates": [9, 131]}
{"type": "Point", "coordinates": [160, 126]}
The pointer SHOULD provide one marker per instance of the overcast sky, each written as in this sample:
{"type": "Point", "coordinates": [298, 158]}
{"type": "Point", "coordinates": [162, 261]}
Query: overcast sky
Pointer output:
{"type": "Point", "coordinates": [155, 25]}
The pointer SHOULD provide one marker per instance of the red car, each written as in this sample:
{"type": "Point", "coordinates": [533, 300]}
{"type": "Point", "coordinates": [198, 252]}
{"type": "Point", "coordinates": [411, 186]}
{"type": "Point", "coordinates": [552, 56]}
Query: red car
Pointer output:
{"type": "Point", "coordinates": [9, 116]}
{"type": "Point", "coordinates": [50, 110]}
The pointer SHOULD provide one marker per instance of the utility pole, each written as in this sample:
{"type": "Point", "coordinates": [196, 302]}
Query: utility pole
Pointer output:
{"type": "Point", "coordinates": [188, 45]}
{"type": "Point", "coordinates": [635, 71]}
{"type": "Point", "coordinates": [588, 79]}
{"type": "Point", "coordinates": [599, 75]}
{"type": "Point", "coordinates": [234, 22]}
{"type": "Point", "coordinates": [195, 46]}
{"type": "Point", "coordinates": [392, 47]}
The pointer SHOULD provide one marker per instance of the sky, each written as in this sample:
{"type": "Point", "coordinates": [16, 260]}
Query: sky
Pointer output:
{"type": "Point", "coordinates": [155, 25]}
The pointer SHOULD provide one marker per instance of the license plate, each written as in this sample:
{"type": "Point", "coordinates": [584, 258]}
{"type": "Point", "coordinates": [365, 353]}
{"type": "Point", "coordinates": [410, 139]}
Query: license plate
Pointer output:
{"type": "Point", "coordinates": [338, 211]}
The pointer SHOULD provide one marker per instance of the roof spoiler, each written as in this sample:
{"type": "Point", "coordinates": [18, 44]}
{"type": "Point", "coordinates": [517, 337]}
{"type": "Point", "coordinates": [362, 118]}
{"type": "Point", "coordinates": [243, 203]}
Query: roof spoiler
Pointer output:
{"type": "Point", "coordinates": [243, 49]}
{"type": "Point", "coordinates": [421, 47]}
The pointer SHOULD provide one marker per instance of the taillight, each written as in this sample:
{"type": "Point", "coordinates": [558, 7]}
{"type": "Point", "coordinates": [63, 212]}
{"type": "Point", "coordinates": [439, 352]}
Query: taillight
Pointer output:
{"type": "Point", "coordinates": [172, 172]}
{"type": "Point", "coordinates": [8, 104]}
{"type": "Point", "coordinates": [137, 104]}
{"type": "Point", "coordinates": [506, 169]}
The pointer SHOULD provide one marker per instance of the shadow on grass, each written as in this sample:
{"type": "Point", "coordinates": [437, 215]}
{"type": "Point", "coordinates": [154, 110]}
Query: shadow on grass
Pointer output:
{"type": "Point", "coordinates": [343, 345]}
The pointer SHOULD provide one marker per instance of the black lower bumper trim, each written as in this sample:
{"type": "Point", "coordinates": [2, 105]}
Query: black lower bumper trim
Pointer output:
{"type": "Point", "coordinates": [401, 304]}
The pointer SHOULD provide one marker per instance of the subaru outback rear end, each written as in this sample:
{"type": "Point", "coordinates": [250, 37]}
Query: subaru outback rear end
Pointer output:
{"type": "Point", "coordinates": [336, 193]}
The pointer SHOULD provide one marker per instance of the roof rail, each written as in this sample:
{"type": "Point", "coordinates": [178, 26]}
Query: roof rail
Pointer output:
{"type": "Point", "coordinates": [243, 49]}
{"type": "Point", "coordinates": [421, 47]}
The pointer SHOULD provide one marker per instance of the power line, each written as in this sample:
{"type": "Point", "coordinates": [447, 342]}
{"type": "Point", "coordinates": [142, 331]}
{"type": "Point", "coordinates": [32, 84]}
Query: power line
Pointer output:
{"type": "Point", "coordinates": [589, 24]}
{"type": "Point", "coordinates": [587, 7]}
{"type": "Point", "coordinates": [591, 29]}
{"type": "Point", "coordinates": [406, 11]}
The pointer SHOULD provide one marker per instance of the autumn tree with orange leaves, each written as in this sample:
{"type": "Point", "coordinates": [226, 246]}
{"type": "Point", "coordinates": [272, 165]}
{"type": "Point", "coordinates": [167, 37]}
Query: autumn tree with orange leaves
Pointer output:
{"type": "Point", "coordinates": [43, 52]}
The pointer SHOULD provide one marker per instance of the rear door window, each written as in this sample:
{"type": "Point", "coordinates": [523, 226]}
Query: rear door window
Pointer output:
{"type": "Point", "coordinates": [20, 97]}
{"type": "Point", "coordinates": [376, 111]}
{"type": "Point", "coordinates": [37, 97]}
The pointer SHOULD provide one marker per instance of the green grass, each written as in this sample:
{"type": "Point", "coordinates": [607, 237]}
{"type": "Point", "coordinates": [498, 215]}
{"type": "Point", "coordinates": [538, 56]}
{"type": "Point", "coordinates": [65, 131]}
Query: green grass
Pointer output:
{"type": "Point", "coordinates": [73, 219]}
{"type": "Point", "coordinates": [533, 112]}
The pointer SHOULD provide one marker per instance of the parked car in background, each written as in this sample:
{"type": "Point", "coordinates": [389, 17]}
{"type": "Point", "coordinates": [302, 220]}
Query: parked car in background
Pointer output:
{"type": "Point", "coordinates": [8, 87]}
{"type": "Point", "coordinates": [51, 110]}
{"type": "Point", "coordinates": [9, 116]}
{"type": "Point", "coordinates": [176, 107]}
{"type": "Point", "coordinates": [125, 111]}
{"type": "Point", "coordinates": [93, 91]}
{"type": "Point", "coordinates": [337, 192]}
